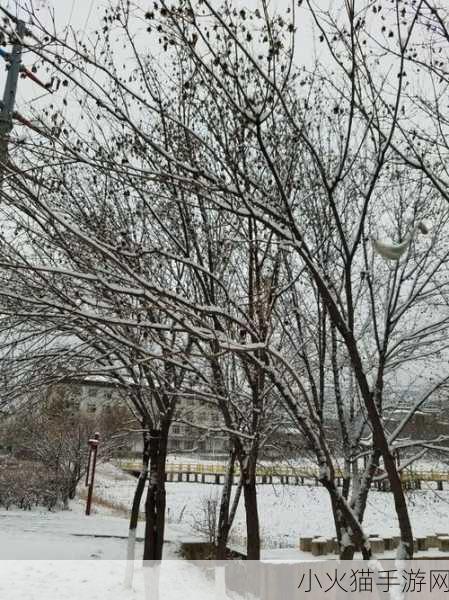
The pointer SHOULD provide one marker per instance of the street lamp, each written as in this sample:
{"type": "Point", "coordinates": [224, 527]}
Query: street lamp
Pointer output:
{"type": "Point", "coordinates": [90, 473]}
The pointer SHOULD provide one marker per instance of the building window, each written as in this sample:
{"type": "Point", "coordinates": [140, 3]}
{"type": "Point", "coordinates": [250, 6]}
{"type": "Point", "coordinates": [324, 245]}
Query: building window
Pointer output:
{"type": "Point", "coordinates": [93, 392]}
{"type": "Point", "coordinates": [91, 407]}
{"type": "Point", "coordinates": [175, 429]}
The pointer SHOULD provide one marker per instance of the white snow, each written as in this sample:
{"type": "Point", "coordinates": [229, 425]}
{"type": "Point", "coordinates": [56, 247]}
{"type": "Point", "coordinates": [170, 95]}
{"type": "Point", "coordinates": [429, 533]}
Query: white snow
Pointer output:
{"type": "Point", "coordinates": [56, 556]}
{"type": "Point", "coordinates": [99, 580]}
{"type": "Point", "coordinates": [64, 535]}
{"type": "Point", "coordinates": [288, 512]}
{"type": "Point", "coordinates": [69, 545]}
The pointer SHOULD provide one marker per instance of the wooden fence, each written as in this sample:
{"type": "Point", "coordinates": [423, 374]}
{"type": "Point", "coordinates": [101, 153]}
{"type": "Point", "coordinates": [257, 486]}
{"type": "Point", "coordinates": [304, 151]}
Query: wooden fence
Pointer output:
{"type": "Point", "coordinates": [269, 474]}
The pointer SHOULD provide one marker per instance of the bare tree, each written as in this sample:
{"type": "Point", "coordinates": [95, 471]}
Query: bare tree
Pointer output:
{"type": "Point", "coordinates": [54, 433]}
{"type": "Point", "coordinates": [242, 128]}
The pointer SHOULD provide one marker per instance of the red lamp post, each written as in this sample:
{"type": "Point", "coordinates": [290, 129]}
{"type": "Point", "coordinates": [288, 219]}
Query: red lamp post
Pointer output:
{"type": "Point", "coordinates": [90, 473]}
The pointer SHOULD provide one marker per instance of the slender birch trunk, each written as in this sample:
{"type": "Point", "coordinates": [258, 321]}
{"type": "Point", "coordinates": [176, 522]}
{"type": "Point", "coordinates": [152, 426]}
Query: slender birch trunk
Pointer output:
{"type": "Point", "coordinates": [135, 510]}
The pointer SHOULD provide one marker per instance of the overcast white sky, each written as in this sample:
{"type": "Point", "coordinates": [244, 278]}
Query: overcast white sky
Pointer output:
{"type": "Point", "coordinates": [85, 15]}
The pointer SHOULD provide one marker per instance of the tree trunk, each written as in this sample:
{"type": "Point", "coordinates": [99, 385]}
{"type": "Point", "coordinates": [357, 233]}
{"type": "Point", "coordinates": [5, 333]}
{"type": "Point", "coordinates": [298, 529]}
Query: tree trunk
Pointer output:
{"type": "Point", "coordinates": [72, 488]}
{"type": "Point", "coordinates": [372, 407]}
{"type": "Point", "coordinates": [223, 517]}
{"type": "Point", "coordinates": [406, 550]}
{"type": "Point", "coordinates": [226, 515]}
{"type": "Point", "coordinates": [135, 510]}
{"type": "Point", "coordinates": [235, 503]}
{"type": "Point", "coordinates": [360, 497]}
{"type": "Point", "coordinates": [248, 468]}
{"type": "Point", "coordinates": [337, 520]}
{"type": "Point", "coordinates": [155, 500]}
{"type": "Point", "coordinates": [346, 480]}
{"type": "Point", "coordinates": [381, 444]}
{"type": "Point", "coordinates": [349, 530]}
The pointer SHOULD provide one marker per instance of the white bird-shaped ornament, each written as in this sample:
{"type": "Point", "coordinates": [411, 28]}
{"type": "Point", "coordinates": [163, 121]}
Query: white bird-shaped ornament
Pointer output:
{"type": "Point", "coordinates": [393, 251]}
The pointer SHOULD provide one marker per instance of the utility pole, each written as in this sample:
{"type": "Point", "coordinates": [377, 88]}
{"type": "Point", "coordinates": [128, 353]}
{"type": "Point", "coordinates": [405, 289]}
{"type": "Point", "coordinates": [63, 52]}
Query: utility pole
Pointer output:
{"type": "Point", "coordinates": [9, 95]}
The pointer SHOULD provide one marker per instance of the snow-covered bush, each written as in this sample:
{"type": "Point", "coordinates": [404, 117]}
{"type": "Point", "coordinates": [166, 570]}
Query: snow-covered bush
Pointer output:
{"type": "Point", "coordinates": [25, 484]}
{"type": "Point", "coordinates": [52, 436]}
{"type": "Point", "coordinates": [206, 522]}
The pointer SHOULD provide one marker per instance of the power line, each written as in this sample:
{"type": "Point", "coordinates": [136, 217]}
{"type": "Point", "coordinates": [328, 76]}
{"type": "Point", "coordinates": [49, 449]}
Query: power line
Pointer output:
{"type": "Point", "coordinates": [71, 14]}
{"type": "Point", "coordinates": [87, 18]}
{"type": "Point", "coordinates": [81, 39]}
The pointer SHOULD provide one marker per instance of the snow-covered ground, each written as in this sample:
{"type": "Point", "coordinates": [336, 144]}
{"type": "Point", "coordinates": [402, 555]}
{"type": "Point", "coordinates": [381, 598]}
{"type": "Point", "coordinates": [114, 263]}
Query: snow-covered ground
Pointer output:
{"type": "Point", "coordinates": [61, 535]}
{"type": "Point", "coordinates": [38, 548]}
{"type": "Point", "coordinates": [67, 556]}
{"type": "Point", "coordinates": [69, 534]}
{"type": "Point", "coordinates": [99, 580]}
{"type": "Point", "coordinates": [286, 512]}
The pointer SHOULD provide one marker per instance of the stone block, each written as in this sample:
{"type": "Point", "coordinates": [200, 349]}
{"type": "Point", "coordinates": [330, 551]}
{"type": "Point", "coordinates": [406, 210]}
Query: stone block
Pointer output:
{"type": "Point", "coordinates": [377, 545]}
{"type": "Point", "coordinates": [319, 546]}
{"type": "Point", "coordinates": [421, 544]}
{"type": "Point", "coordinates": [305, 544]}
{"type": "Point", "coordinates": [443, 543]}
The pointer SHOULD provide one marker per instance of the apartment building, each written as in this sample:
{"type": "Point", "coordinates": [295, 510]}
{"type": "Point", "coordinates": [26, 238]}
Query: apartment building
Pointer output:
{"type": "Point", "coordinates": [198, 429]}
{"type": "Point", "coordinates": [88, 395]}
